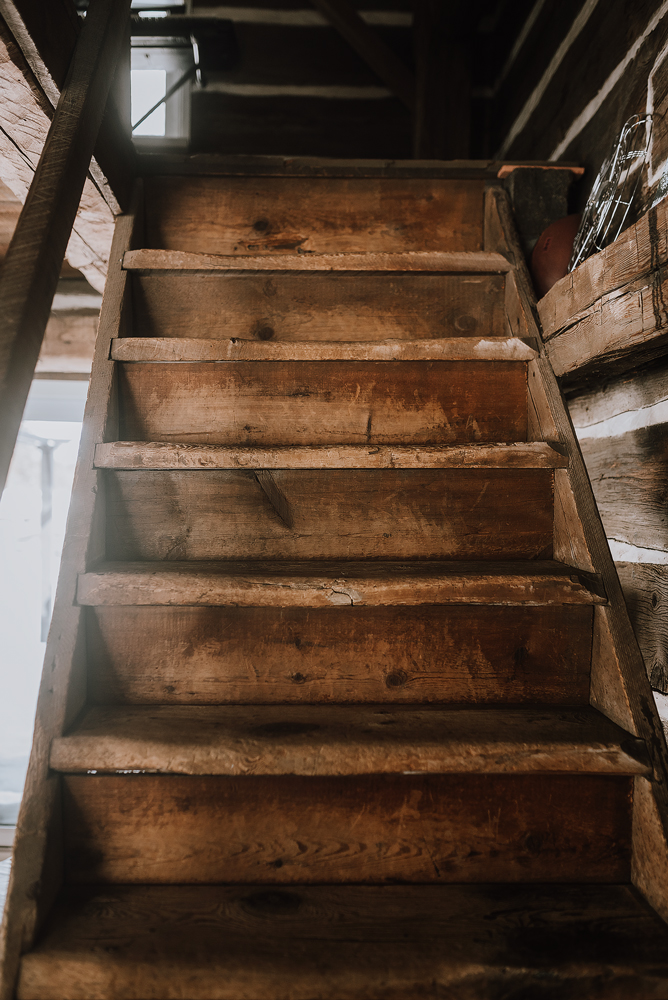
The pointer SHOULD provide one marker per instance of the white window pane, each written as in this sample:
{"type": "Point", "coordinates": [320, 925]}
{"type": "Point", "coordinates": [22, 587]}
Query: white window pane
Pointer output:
{"type": "Point", "coordinates": [148, 86]}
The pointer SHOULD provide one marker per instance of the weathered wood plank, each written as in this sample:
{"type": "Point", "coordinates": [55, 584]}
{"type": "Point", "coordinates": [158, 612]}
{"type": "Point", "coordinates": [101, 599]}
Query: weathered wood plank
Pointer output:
{"type": "Point", "coordinates": [436, 653]}
{"type": "Point", "coordinates": [26, 114]}
{"type": "Point", "coordinates": [347, 259]}
{"type": "Point", "coordinates": [440, 828]}
{"type": "Point", "coordinates": [371, 47]}
{"type": "Point", "coordinates": [334, 514]}
{"type": "Point", "coordinates": [316, 306]}
{"type": "Point", "coordinates": [165, 349]}
{"type": "Point", "coordinates": [211, 215]}
{"type": "Point", "coordinates": [639, 250]}
{"type": "Point", "coordinates": [158, 455]}
{"type": "Point", "coordinates": [32, 265]}
{"type": "Point", "coordinates": [319, 741]}
{"type": "Point", "coordinates": [624, 394]}
{"type": "Point", "coordinates": [239, 943]}
{"type": "Point", "coordinates": [313, 584]}
{"type": "Point", "coordinates": [37, 859]}
{"type": "Point", "coordinates": [628, 475]}
{"type": "Point", "coordinates": [646, 593]}
{"type": "Point", "coordinates": [623, 328]}
{"type": "Point", "coordinates": [312, 403]}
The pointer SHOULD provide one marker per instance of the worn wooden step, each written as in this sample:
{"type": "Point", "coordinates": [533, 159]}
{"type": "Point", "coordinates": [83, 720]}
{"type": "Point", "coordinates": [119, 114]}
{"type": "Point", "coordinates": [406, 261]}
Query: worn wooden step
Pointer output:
{"type": "Point", "coordinates": [329, 514]}
{"type": "Point", "coordinates": [318, 305]}
{"type": "Point", "coordinates": [265, 214]}
{"type": "Point", "coordinates": [164, 349]}
{"type": "Point", "coordinates": [179, 259]}
{"type": "Point", "coordinates": [164, 455]}
{"type": "Point", "coordinates": [318, 740]}
{"type": "Point", "coordinates": [355, 942]}
{"type": "Point", "coordinates": [312, 402]}
{"type": "Point", "coordinates": [323, 585]}
{"type": "Point", "coordinates": [149, 828]}
{"type": "Point", "coordinates": [436, 653]}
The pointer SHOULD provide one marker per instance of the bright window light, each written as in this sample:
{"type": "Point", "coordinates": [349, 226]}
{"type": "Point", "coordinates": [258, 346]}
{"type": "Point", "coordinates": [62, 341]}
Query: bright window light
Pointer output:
{"type": "Point", "coordinates": [153, 13]}
{"type": "Point", "coordinates": [148, 86]}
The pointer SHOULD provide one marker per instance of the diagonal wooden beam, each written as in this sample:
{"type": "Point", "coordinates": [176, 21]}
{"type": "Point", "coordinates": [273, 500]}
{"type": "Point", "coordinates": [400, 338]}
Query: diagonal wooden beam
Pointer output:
{"type": "Point", "coordinates": [31, 268]}
{"type": "Point", "coordinates": [370, 46]}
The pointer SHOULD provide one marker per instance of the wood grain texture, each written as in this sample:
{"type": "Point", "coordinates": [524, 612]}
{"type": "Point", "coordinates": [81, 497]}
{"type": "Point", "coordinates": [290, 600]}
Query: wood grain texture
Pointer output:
{"type": "Point", "coordinates": [440, 828]}
{"type": "Point", "coordinates": [32, 265]}
{"type": "Point", "coordinates": [318, 403]}
{"type": "Point", "coordinates": [275, 260]}
{"type": "Point", "coordinates": [319, 741]}
{"type": "Point", "coordinates": [159, 455]}
{"type": "Point", "coordinates": [167, 349]}
{"type": "Point", "coordinates": [334, 514]}
{"type": "Point", "coordinates": [318, 306]}
{"type": "Point", "coordinates": [391, 655]}
{"type": "Point", "coordinates": [312, 584]}
{"type": "Point", "coordinates": [624, 328]}
{"type": "Point", "coordinates": [646, 593]}
{"type": "Point", "coordinates": [37, 858]}
{"type": "Point", "coordinates": [628, 476]}
{"type": "Point", "coordinates": [212, 215]}
{"type": "Point", "coordinates": [380, 943]}
{"type": "Point", "coordinates": [641, 249]}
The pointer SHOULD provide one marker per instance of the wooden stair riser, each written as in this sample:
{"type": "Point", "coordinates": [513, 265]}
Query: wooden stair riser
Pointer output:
{"type": "Point", "coordinates": [316, 307]}
{"type": "Point", "coordinates": [278, 830]}
{"type": "Point", "coordinates": [223, 215]}
{"type": "Point", "coordinates": [301, 403]}
{"type": "Point", "coordinates": [330, 514]}
{"type": "Point", "coordinates": [433, 654]}
{"type": "Point", "coordinates": [475, 942]}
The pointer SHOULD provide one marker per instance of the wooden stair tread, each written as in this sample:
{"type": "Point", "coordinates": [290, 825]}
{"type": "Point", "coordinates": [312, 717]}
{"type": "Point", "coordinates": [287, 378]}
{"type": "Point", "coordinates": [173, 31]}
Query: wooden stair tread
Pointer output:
{"type": "Point", "coordinates": [340, 740]}
{"type": "Point", "coordinates": [352, 942]}
{"type": "Point", "coordinates": [407, 260]}
{"type": "Point", "coordinates": [165, 455]}
{"type": "Point", "coordinates": [313, 584]}
{"type": "Point", "coordinates": [168, 349]}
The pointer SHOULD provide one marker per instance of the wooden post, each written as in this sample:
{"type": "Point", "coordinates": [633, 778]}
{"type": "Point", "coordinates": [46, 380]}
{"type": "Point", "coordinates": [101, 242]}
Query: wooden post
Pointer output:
{"type": "Point", "coordinates": [442, 122]}
{"type": "Point", "coordinates": [30, 271]}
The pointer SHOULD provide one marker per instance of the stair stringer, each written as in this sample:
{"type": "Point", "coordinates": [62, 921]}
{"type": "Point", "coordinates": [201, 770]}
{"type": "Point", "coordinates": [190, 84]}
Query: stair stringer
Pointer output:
{"type": "Point", "coordinates": [37, 866]}
{"type": "Point", "coordinates": [619, 686]}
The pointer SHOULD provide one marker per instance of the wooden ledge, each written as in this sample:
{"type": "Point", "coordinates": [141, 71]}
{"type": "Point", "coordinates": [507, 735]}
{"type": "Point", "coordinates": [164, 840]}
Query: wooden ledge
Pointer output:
{"type": "Point", "coordinates": [283, 584]}
{"type": "Point", "coordinates": [475, 262]}
{"type": "Point", "coordinates": [334, 740]}
{"type": "Point", "coordinates": [159, 455]}
{"type": "Point", "coordinates": [174, 349]}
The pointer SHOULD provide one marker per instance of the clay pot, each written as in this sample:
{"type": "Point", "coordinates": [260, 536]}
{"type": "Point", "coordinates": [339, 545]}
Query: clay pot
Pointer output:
{"type": "Point", "coordinates": [552, 252]}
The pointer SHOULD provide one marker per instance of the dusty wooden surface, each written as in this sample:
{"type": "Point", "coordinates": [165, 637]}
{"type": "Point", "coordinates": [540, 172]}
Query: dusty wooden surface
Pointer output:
{"type": "Point", "coordinates": [334, 514]}
{"type": "Point", "coordinates": [641, 249]}
{"type": "Point", "coordinates": [380, 943]}
{"type": "Point", "coordinates": [628, 476]}
{"type": "Point", "coordinates": [165, 349]}
{"type": "Point", "coordinates": [455, 654]}
{"type": "Point", "coordinates": [297, 403]}
{"type": "Point", "coordinates": [645, 589]}
{"type": "Point", "coordinates": [161, 455]}
{"type": "Point", "coordinates": [211, 215]}
{"type": "Point", "coordinates": [314, 740]}
{"type": "Point", "coordinates": [318, 306]}
{"type": "Point", "coordinates": [316, 585]}
{"type": "Point", "coordinates": [255, 257]}
{"type": "Point", "coordinates": [440, 828]}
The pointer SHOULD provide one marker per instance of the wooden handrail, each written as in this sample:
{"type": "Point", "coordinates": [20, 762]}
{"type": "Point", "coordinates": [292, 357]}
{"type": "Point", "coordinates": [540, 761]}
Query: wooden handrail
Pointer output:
{"type": "Point", "coordinates": [29, 275]}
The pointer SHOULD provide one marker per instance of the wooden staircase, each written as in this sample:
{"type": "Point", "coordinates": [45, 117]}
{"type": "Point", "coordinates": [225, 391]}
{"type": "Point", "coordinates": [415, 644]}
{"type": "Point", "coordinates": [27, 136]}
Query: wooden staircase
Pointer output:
{"type": "Point", "coordinates": [340, 700]}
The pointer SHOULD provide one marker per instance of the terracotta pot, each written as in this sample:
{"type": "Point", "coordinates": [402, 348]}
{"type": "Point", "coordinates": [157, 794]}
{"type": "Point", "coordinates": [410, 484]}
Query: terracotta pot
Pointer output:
{"type": "Point", "coordinates": [552, 252]}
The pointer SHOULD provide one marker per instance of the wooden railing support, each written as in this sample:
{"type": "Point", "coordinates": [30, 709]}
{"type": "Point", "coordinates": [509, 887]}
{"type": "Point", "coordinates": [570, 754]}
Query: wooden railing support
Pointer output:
{"type": "Point", "coordinates": [29, 275]}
